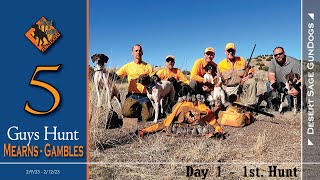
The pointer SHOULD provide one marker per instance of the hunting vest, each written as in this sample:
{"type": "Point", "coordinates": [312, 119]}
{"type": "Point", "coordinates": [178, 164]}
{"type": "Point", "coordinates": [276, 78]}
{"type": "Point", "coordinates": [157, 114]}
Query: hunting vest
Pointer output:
{"type": "Point", "coordinates": [232, 73]}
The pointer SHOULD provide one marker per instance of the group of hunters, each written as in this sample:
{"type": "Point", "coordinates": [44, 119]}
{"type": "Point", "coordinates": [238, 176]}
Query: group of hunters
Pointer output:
{"type": "Point", "coordinates": [231, 70]}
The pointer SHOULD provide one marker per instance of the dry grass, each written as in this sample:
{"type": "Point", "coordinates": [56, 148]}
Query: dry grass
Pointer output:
{"type": "Point", "coordinates": [261, 145]}
{"type": "Point", "coordinates": [124, 156]}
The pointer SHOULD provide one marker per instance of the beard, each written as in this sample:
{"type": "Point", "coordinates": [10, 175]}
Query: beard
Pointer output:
{"type": "Point", "coordinates": [283, 60]}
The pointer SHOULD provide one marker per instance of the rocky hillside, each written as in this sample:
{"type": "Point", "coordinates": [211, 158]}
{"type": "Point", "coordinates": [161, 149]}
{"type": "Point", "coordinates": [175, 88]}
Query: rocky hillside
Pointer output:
{"type": "Point", "coordinates": [260, 63]}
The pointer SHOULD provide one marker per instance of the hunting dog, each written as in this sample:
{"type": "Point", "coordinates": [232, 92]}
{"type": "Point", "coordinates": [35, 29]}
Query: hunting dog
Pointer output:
{"type": "Point", "coordinates": [183, 91]}
{"type": "Point", "coordinates": [208, 77]}
{"type": "Point", "coordinates": [157, 90]}
{"type": "Point", "coordinates": [218, 94]}
{"type": "Point", "coordinates": [102, 81]}
{"type": "Point", "coordinates": [273, 97]}
{"type": "Point", "coordinates": [293, 83]}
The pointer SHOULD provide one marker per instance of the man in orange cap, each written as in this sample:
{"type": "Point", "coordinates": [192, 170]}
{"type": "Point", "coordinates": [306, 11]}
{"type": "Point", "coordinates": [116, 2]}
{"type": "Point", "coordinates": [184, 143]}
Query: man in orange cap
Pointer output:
{"type": "Point", "coordinates": [170, 71]}
{"type": "Point", "coordinates": [232, 70]}
{"type": "Point", "coordinates": [197, 82]}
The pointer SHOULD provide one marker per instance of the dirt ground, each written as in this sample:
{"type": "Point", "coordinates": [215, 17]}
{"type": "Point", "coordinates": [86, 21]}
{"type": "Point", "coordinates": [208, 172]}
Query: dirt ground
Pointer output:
{"type": "Point", "coordinates": [120, 154]}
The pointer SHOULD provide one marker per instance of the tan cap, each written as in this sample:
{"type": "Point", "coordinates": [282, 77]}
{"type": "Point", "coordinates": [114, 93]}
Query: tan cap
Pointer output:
{"type": "Point", "coordinates": [209, 49]}
{"type": "Point", "coordinates": [230, 46]}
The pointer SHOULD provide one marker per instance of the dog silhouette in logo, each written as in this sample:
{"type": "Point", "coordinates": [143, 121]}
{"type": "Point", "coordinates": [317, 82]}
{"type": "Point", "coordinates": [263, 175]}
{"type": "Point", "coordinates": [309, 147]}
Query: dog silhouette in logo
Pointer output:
{"type": "Point", "coordinates": [45, 24]}
{"type": "Point", "coordinates": [38, 33]}
{"type": "Point", "coordinates": [52, 32]}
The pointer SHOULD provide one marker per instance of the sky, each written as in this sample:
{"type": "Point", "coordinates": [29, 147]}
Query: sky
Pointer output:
{"type": "Point", "coordinates": [184, 28]}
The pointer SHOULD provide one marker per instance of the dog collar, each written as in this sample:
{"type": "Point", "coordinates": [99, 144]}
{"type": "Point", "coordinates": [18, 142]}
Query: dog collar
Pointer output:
{"type": "Point", "coordinates": [98, 68]}
{"type": "Point", "coordinates": [150, 88]}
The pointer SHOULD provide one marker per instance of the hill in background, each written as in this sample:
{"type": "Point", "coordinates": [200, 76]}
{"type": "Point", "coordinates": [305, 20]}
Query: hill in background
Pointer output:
{"type": "Point", "coordinates": [260, 63]}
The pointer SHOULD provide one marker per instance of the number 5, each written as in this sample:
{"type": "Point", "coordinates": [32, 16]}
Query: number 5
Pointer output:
{"type": "Point", "coordinates": [46, 86]}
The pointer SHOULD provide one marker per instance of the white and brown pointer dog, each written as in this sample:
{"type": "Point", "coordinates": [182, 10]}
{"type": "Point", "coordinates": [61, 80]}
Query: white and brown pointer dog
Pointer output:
{"type": "Point", "coordinates": [217, 96]}
{"type": "Point", "coordinates": [156, 91]}
{"type": "Point", "coordinates": [102, 81]}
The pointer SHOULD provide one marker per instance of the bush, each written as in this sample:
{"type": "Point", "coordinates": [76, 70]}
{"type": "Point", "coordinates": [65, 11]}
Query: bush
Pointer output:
{"type": "Point", "coordinates": [185, 72]}
{"type": "Point", "coordinates": [265, 68]}
{"type": "Point", "coordinates": [91, 72]}
{"type": "Point", "coordinates": [259, 60]}
{"type": "Point", "coordinates": [269, 59]}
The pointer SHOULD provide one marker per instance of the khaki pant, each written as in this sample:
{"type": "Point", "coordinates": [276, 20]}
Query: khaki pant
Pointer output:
{"type": "Point", "coordinates": [249, 92]}
{"type": "Point", "coordinates": [134, 109]}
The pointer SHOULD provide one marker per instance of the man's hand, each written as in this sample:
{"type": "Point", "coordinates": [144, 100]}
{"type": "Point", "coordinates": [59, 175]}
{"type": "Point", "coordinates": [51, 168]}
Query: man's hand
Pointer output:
{"type": "Point", "coordinates": [293, 92]}
{"type": "Point", "coordinates": [205, 88]}
{"type": "Point", "coordinates": [247, 77]}
{"type": "Point", "coordinates": [204, 81]}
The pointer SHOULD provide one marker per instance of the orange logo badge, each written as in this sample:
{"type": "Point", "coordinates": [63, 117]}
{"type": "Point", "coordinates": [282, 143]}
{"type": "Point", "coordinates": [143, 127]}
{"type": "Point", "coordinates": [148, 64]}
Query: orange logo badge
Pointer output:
{"type": "Point", "coordinates": [42, 34]}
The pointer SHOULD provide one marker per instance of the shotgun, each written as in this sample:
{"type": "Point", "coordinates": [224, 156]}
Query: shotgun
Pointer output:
{"type": "Point", "coordinates": [248, 67]}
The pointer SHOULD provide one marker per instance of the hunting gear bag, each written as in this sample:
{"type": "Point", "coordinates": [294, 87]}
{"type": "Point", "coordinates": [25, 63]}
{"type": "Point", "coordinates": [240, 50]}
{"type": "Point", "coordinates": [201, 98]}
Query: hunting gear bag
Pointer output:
{"type": "Point", "coordinates": [234, 116]}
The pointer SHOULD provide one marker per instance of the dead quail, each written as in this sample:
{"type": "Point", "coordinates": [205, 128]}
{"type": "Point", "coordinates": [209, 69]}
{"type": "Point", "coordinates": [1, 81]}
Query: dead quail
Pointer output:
{"type": "Point", "coordinates": [194, 131]}
{"type": "Point", "coordinates": [184, 130]}
{"type": "Point", "coordinates": [200, 130]}
{"type": "Point", "coordinates": [173, 129]}
{"type": "Point", "coordinates": [184, 98]}
{"type": "Point", "coordinates": [179, 130]}
{"type": "Point", "coordinates": [188, 130]}
{"type": "Point", "coordinates": [198, 96]}
{"type": "Point", "coordinates": [205, 130]}
{"type": "Point", "coordinates": [202, 98]}
{"type": "Point", "coordinates": [189, 98]}
{"type": "Point", "coordinates": [193, 98]}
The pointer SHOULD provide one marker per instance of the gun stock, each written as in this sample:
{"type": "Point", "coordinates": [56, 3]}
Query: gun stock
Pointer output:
{"type": "Point", "coordinates": [251, 109]}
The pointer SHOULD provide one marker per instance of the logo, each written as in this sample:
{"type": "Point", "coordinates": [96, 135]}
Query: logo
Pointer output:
{"type": "Point", "coordinates": [42, 34]}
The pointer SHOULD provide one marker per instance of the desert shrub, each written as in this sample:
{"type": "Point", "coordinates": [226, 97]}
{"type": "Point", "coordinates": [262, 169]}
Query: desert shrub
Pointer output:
{"type": "Point", "coordinates": [185, 72]}
{"type": "Point", "coordinates": [262, 144]}
{"type": "Point", "coordinates": [91, 72]}
{"type": "Point", "coordinates": [269, 59]}
{"type": "Point", "coordinates": [259, 60]}
{"type": "Point", "coordinates": [263, 67]}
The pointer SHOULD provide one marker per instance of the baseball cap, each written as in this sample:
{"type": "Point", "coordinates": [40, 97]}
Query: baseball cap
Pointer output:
{"type": "Point", "coordinates": [230, 46]}
{"type": "Point", "coordinates": [209, 49]}
{"type": "Point", "coordinates": [171, 56]}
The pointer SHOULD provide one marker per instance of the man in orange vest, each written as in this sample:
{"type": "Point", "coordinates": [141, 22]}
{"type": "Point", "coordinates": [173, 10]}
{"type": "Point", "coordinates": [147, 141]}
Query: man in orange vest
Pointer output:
{"type": "Point", "coordinates": [170, 71]}
{"type": "Point", "coordinates": [197, 82]}
{"type": "Point", "coordinates": [232, 70]}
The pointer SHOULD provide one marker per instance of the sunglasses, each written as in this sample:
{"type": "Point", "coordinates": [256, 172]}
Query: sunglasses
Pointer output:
{"type": "Point", "coordinates": [231, 50]}
{"type": "Point", "coordinates": [170, 60]}
{"type": "Point", "coordinates": [279, 54]}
